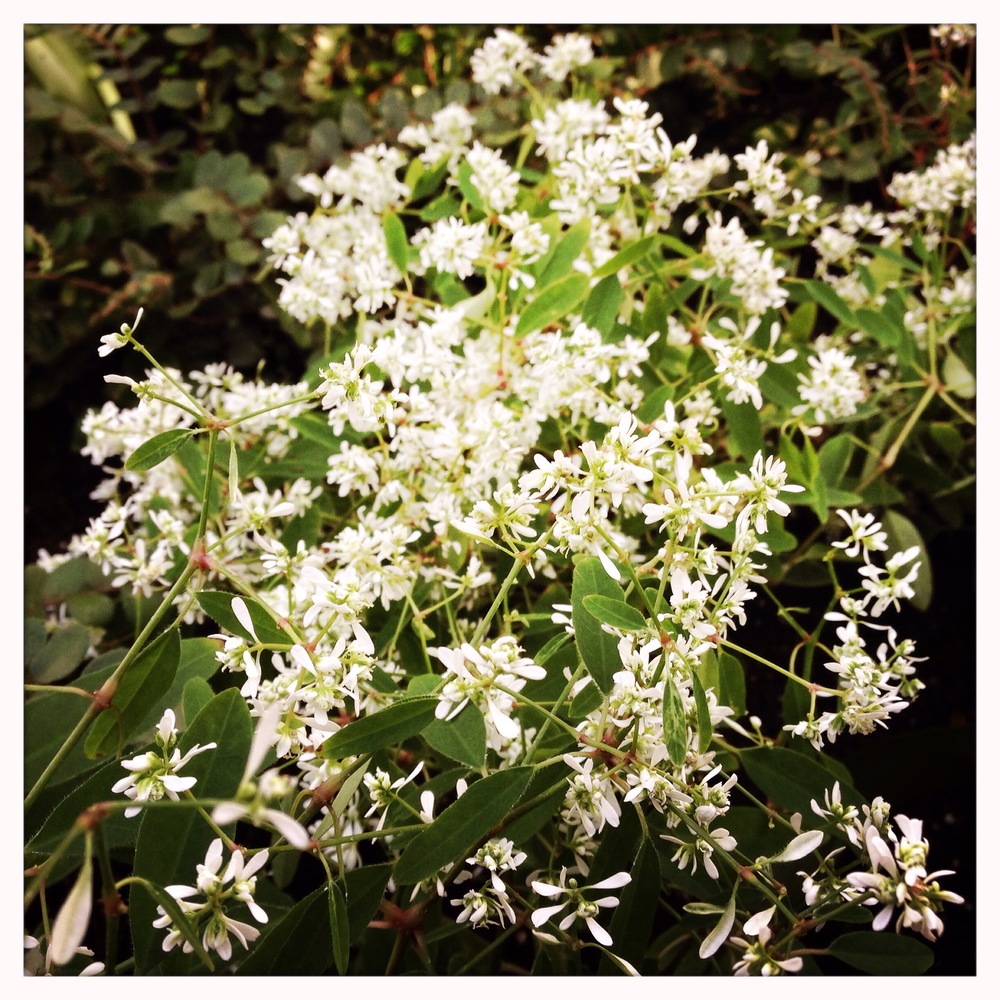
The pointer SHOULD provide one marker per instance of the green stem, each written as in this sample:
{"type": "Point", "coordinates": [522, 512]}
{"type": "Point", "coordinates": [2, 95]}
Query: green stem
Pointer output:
{"type": "Point", "coordinates": [781, 670]}
{"type": "Point", "coordinates": [111, 900]}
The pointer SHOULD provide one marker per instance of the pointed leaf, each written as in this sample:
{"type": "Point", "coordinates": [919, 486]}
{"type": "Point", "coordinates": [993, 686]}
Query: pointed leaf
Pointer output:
{"type": "Point", "coordinates": [395, 241]}
{"type": "Point", "coordinates": [143, 684]}
{"type": "Point", "coordinates": [181, 920]}
{"type": "Point", "coordinates": [704, 715]}
{"type": "Point", "coordinates": [883, 954]}
{"type": "Point", "coordinates": [674, 723]}
{"type": "Point", "coordinates": [463, 738]}
{"type": "Point", "coordinates": [340, 932]}
{"type": "Point", "coordinates": [566, 251]}
{"type": "Point", "coordinates": [553, 303]}
{"type": "Point", "coordinates": [791, 779]}
{"type": "Point", "coordinates": [462, 825]}
{"type": "Point", "coordinates": [157, 449]}
{"type": "Point", "coordinates": [830, 301]}
{"type": "Point", "coordinates": [300, 943]}
{"type": "Point", "coordinates": [388, 727]}
{"type": "Point", "coordinates": [218, 605]}
{"type": "Point", "coordinates": [615, 613]}
{"type": "Point", "coordinates": [598, 649]}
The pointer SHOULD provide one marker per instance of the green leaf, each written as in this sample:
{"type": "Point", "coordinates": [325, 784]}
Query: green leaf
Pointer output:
{"type": "Point", "coordinates": [388, 727]}
{"type": "Point", "coordinates": [822, 293]}
{"type": "Point", "coordinates": [180, 94]}
{"type": "Point", "coordinates": [835, 458]}
{"type": "Point", "coordinates": [674, 723]}
{"type": "Point", "coordinates": [883, 954]}
{"type": "Point", "coordinates": [225, 721]}
{"type": "Point", "coordinates": [157, 449]}
{"type": "Point", "coordinates": [64, 651]}
{"type": "Point", "coordinates": [196, 695]}
{"type": "Point", "coordinates": [601, 308]}
{"type": "Point", "coordinates": [632, 922]}
{"type": "Point", "coordinates": [566, 251]}
{"type": "Point", "coordinates": [462, 825]}
{"type": "Point", "coordinates": [340, 931]}
{"type": "Point", "coordinates": [732, 684]}
{"type": "Point", "coordinates": [217, 604]}
{"type": "Point", "coordinates": [468, 187]}
{"type": "Point", "coordinates": [598, 648]}
{"type": "Point", "coordinates": [745, 431]}
{"type": "Point", "coordinates": [615, 613]}
{"type": "Point", "coordinates": [395, 241]}
{"type": "Point", "coordinates": [880, 326]}
{"type": "Point", "coordinates": [463, 738]}
{"type": "Point", "coordinates": [703, 714]}
{"type": "Point", "coordinates": [96, 787]}
{"type": "Point", "coordinates": [553, 303]}
{"type": "Point", "coordinates": [300, 943]}
{"type": "Point", "coordinates": [791, 779]}
{"type": "Point", "coordinates": [903, 534]}
{"type": "Point", "coordinates": [197, 662]}
{"type": "Point", "coordinates": [629, 255]}
{"type": "Point", "coordinates": [143, 684]}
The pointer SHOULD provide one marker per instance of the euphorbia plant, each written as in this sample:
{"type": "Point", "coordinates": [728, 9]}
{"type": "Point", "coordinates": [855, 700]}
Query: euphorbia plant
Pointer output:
{"type": "Point", "coordinates": [474, 586]}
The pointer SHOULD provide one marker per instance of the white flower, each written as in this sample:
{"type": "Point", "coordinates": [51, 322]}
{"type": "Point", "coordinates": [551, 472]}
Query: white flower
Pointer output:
{"type": "Point", "coordinates": [112, 341]}
{"type": "Point", "coordinates": [582, 907]}
{"type": "Point", "coordinates": [153, 775]}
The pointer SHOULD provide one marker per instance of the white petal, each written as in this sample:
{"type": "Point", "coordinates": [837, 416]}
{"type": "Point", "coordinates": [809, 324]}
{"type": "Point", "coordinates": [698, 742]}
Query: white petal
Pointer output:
{"type": "Point", "coordinates": [600, 934]}
{"type": "Point", "coordinates": [800, 846]}
{"type": "Point", "coordinates": [543, 913]}
{"type": "Point", "coordinates": [720, 932]}
{"type": "Point", "coordinates": [544, 889]}
{"type": "Point", "coordinates": [242, 613]}
{"type": "Point", "coordinates": [71, 923]}
{"type": "Point", "coordinates": [613, 882]}
{"type": "Point", "coordinates": [295, 833]}
{"type": "Point", "coordinates": [758, 921]}
{"type": "Point", "coordinates": [228, 812]}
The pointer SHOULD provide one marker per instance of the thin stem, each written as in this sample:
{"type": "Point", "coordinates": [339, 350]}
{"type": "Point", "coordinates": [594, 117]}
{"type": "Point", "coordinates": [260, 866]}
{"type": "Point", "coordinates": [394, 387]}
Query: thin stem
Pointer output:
{"type": "Point", "coordinates": [781, 670]}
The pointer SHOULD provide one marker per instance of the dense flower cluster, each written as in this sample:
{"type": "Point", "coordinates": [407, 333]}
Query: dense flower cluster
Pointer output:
{"type": "Point", "coordinates": [517, 407]}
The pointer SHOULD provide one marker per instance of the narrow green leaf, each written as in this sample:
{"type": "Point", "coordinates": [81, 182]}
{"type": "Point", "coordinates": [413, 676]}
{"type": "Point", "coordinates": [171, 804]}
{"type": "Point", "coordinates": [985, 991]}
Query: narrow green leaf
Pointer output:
{"type": "Point", "coordinates": [674, 723]}
{"type": "Point", "coordinates": [883, 954]}
{"type": "Point", "coordinates": [340, 932]}
{"type": "Point", "coordinates": [157, 449]}
{"type": "Point", "coordinates": [598, 649]}
{"type": "Point", "coordinates": [234, 469]}
{"type": "Point", "coordinates": [144, 683]}
{"type": "Point", "coordinates": [462, 825]}
{"type": "Point", "coordinates": [468, 188]}
{"type": "Point", "coordinates": [551, 648]}
{"type": "Point", "coordinates": [880, 326]}
{"type": "Point", "coordinates": [601, 308]}
{"type": "Point", "coordinates": [629, 255]}
{"type": "Point", "coordinates": [616, 613]}
{"type": "Point", "coordinates": [395, 241]}
{"type": "Point", "coordinates": [463, 738]}
{"type": "Point", "coordinates": [566, 251]}
{"type": "Point", "coordinates": [632, 922]}
{"type": "Point", "coordinates": [732, 684]}
{"type": "Point", "coordinates": [388, 727]}
{"type": "Point", "coordinates": [217, 604]}
{"type": "Point", "coordinates": [704, 716]}
{"type": "Point", "coordinates": [822, 293]}
{"type": "Point", "coordinates": [553, 303]}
